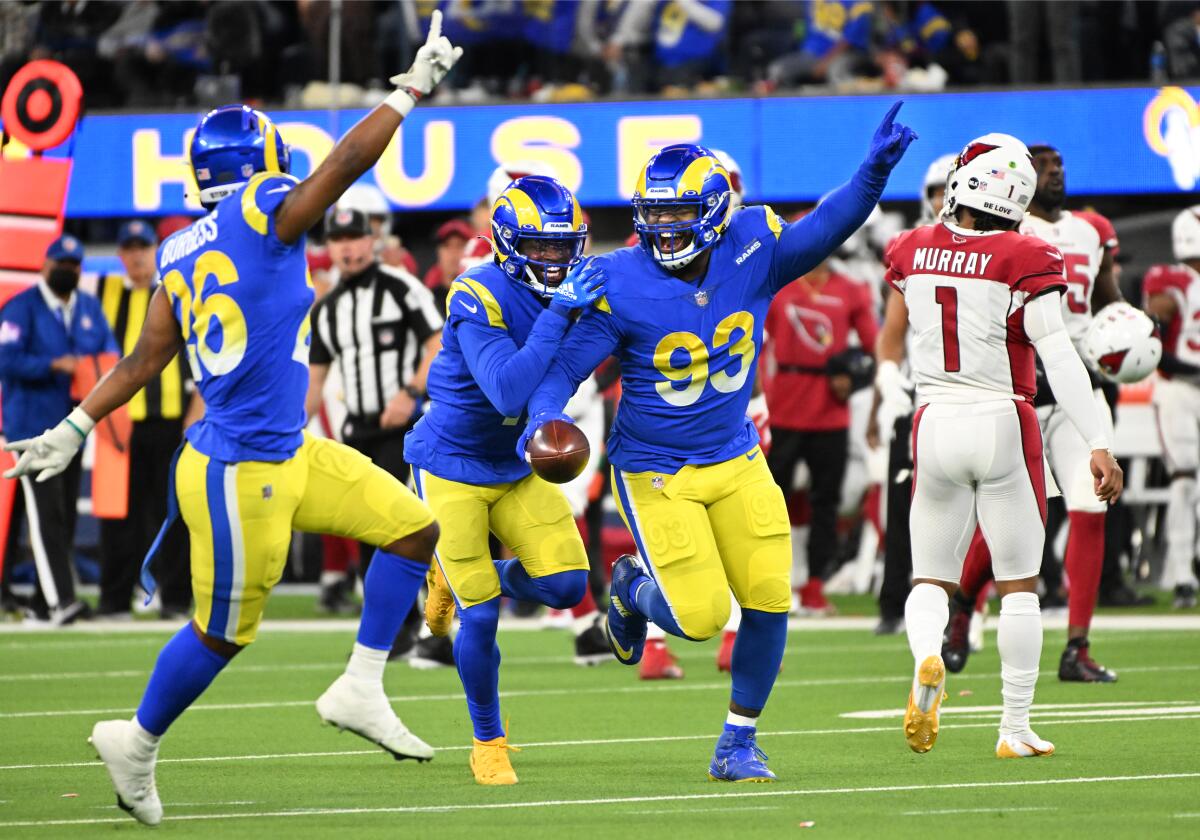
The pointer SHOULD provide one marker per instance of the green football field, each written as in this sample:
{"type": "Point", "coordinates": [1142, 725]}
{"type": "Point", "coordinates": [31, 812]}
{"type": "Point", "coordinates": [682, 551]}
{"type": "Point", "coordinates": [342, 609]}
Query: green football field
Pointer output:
{"type": "Point", "coordinates": [603, 752]}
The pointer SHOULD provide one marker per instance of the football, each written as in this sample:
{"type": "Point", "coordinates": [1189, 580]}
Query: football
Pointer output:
{"type": "Point", "coordinates": [558, 451]}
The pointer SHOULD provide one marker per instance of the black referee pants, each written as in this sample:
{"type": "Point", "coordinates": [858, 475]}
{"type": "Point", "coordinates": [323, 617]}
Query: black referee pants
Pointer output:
{"type": "Point", "coordinates": [50, 509]}
{"type": "Point", "coordinates": [826, 454]}
{"type": "Point", "coordinates": [124, 542]}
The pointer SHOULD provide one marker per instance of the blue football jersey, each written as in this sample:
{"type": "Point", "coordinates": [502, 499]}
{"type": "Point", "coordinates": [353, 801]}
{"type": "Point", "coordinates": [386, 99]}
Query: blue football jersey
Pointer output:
{"type": "Point", "coordinates": [463, 436]}
{"type": "Point", "coordinates": [241, 297]}
{"type": "Point", "coordinates": [688, 351]}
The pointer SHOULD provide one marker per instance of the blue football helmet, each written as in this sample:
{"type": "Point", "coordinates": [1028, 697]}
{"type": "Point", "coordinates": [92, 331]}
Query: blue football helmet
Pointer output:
{"type": "Point", "coordinates": [684, 175]}
{"type": "Point", "coordinates": [231, 144]}
{"type": "Point", "coordinates": [536, 207]}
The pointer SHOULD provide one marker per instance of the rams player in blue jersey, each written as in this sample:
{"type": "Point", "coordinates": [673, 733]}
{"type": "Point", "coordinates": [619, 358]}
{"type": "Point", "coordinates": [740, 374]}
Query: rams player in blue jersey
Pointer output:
{"type": "Point", "coordinates": [505, 321]}
{"type": "Point", "coordinates": [684, 313]}
{"type": "Point", "coordinates": [235, 296]}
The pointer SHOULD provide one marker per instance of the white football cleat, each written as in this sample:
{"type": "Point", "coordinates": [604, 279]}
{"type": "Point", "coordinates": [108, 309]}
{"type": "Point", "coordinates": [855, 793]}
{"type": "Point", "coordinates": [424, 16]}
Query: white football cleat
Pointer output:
{"type": "Point", "coordinates": [1023, 745]}
{"type": "Point", "coordinates": [130, 765]}
{"type": "Point", "coordinates": [361, 707]}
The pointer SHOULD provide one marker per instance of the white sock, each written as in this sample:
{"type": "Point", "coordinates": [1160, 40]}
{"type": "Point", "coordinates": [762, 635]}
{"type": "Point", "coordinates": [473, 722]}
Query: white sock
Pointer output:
{"type": "Point", "coordinates": [799, 555]}
{"type": "Point", "coordinates": [926, 613]}
{"type": "Point", "coordinates": [1019, 639]}
{"type": "Point", "coordinates": [735, 615]}
{"type": "Point", "coordinates": [367, 663]}
{"type": "Point", "coordinates": [654, 632]}
{"type": "Point", "coordinates": [330, 578]}
{"type": "Point", "coordinates": [144, 741]}
{"type": "Point", "coordinates": [1181, 533]}
{"type": "Point", "coordinates": [578, 625]}
{"type": "Point", "coordinates": [740, 720]}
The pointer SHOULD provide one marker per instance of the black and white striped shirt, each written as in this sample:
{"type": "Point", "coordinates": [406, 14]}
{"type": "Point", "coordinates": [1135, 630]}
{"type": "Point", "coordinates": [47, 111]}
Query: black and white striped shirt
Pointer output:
{"type": "Point", "coordinates": [374, 326]}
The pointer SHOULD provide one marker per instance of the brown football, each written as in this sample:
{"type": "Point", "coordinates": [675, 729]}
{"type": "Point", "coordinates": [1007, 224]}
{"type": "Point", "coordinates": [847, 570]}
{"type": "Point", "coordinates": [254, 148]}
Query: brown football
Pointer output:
{"type": "Point", "coordinates": [558, 451]}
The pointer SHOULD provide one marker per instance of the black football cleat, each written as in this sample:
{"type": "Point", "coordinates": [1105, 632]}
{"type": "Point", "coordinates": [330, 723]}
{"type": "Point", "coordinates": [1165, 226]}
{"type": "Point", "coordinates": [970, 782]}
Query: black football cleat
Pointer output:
{"type": "Point", "coordinates": [1077, 665]}
{"type": "Point", "coordinates": [956, 643]}
{"type": "Point", "coordinates": [591, 646]}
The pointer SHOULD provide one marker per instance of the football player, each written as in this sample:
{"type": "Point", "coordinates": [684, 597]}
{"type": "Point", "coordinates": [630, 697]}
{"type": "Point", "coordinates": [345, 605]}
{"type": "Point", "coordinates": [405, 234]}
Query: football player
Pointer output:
{"type": "Point", "coordinates": [684, 313]}
{"type": "Point", "coordinates": [235, 297]}
{"type": "Point", "coordinates": [1088, 244]}
{"type": "Point", "coordinates": [505, 322]}
{"type": "Point", "coordinates": [1173, 299]}
{"type": "Point", "coordinates": [982, 299]}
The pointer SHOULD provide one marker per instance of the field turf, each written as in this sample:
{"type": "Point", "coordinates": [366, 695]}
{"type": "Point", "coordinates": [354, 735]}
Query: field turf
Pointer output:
{"type": "Point", "coordinates": [605, 753]}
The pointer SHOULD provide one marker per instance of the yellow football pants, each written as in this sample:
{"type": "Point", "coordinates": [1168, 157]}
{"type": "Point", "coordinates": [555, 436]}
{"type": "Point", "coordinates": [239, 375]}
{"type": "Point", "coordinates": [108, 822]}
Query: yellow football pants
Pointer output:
{"type": "Point", "coordinates": [241, 516]}
{"type": "Point", "coordinates": [707, 530]}
{"type": "Point", "coordinates": [530, 516]}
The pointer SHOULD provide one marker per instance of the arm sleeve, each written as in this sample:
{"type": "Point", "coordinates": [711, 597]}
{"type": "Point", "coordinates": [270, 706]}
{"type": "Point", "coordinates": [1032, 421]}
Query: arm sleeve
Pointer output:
{"type": "Point", "coordinates": [592, 340]}
{"type": "Point", "coordinates": [706, 17]}
{"type": "Point", "coordinates": [1065, 372]}
{"type": "Point", "coordinates": [507, 374]}
{"type": "Point", "coordinates": [803, 245]}
{"type": "Point", "coordinates": [17, 360]}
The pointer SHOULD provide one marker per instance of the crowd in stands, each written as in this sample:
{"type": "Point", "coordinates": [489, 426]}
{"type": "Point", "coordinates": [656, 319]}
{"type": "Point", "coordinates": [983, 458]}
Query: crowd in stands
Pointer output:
{"type": "Point", "coordinates": [151, 53]}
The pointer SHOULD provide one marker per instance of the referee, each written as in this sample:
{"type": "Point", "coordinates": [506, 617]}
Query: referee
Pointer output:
{"type": "Point", "coordinates": [381, 328]}
{"type": "Point", "coordinates": [157, 412]}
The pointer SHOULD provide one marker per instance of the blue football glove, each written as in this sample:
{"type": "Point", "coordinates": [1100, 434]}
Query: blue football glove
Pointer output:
{"type": "Point", "coordinates": [889, 143]}
{"type": "Point", "coordinates": [583, 286]}
{"type": "Point", "coordinates": [533, 425]}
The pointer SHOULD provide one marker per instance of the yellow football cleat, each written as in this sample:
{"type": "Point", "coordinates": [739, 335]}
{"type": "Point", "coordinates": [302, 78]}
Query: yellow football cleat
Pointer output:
{"type": "Point", "coordinates": [490, 764]}
{"type": "Point", "coordinates": [439, 602]}
{"type": "Point", "coordinates": [921, 718]}
{"type": "Point", "coordinates": [1025, 745]}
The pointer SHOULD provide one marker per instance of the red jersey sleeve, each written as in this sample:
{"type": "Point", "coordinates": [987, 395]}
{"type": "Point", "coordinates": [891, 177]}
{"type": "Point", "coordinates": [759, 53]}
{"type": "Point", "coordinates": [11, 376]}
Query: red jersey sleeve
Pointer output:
{"type": "Point", "coordinates": [1038, 268]}
{"type": "Point", "coordinates": [1164, 279]}
{"type": "Point", "coordinates": [891, 261]}
{"type": "Point", "coordinates": [1108, 234]}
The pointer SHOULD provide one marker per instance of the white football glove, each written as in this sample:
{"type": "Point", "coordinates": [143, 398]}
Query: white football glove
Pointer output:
{"type": "Point", "coordinates": [894, 388]}
{"type": "Point", "coordinates": [51, 452]}
{"type": "Point", "coordinates": [434, 60]}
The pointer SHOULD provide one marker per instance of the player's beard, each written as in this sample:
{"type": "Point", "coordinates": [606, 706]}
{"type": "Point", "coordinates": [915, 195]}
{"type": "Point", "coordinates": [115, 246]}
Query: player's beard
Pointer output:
{"type": "Point", "coordinates": [1052, 197]}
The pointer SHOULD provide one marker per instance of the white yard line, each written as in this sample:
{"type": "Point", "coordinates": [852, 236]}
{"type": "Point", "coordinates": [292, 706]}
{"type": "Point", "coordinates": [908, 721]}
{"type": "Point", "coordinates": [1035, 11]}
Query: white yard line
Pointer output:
{"type": "Point", "coordinates": [625, 800]}
{"type": "Point", "coordinates": [1000, 810]}
{"type": "Point", "coordinates": [654, 739]}
{"type": "Point", "coordinates": [551, 692]}
{"type": "Point", "coordinates": [1137, 707]}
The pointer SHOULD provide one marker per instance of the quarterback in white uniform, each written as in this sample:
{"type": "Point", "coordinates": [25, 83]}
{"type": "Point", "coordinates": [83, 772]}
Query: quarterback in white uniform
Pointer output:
{"type": "Point", "coordinates": [1173, 299]}
{"type": "Point", "coordinates": [981, 299]}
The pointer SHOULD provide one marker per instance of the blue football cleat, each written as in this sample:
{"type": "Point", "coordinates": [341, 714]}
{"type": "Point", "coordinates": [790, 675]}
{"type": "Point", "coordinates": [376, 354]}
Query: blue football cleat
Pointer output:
{"type": "Point", "coordinates": [738, 758]}
{"type": "Point", "coordinates": [625, 628]}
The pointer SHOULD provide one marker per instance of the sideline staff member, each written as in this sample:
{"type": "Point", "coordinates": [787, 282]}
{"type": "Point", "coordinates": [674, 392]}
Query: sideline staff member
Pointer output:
{"type": "Point", "coordinates": [157, 413]}
{"type": "Point", "coordinates": [44, 331]}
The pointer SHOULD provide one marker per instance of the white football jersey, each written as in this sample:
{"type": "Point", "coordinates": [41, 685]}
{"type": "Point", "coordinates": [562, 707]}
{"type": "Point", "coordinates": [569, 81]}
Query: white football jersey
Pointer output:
{"type": "Point", "coordinates": [965, 292]}
{"type": "Point", "coordinates": [1082, 249]}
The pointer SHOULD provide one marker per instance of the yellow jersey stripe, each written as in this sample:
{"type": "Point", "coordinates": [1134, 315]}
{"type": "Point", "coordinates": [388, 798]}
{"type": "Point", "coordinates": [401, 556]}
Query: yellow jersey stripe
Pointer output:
{"type": "Point", "coordinates": [481, 293]}
{"type": "Point", "coordinates": [773, 221]}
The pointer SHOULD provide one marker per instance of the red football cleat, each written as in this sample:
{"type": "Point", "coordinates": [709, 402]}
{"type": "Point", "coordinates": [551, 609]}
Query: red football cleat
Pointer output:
{"type": "Point", "coordinates": [813, 600]}
{"type": "Point", "coordinates": [725, 654]}
{"type": "Point", "coordinates": [658, 663]}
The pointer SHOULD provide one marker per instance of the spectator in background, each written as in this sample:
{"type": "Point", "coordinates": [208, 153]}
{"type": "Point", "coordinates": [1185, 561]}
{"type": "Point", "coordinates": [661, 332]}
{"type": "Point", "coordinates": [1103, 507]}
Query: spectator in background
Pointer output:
{"type": "Point", "coordinates": [761, 31]}
{"type": "Point", "coordinates": [452, 238]}
{"type": "Point", "coordinates": [157, 412]}
{"type": "Point", "coordinates": [1039, 29]}
{"type": "Point", "coordinates": [688, 40]}
{"type": "Point", "coordinates": [44, 331]}
{"type": "Point", "coordinates": [836, 45]}
{"type": "Point", "coordinates": [359, 63]}
{"type": "Point", "coordinates": [1182, 40]}
{"type": "Point", "coordinates": [809, 326]}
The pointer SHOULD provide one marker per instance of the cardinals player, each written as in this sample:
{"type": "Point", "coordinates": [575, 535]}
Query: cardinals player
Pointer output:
{"type": "Point", "coordinates": [1173, 300]}
{"type": "Point", "coordinates": [982, 299]}
{"type": "Point", "coordinates": [1088, 244]}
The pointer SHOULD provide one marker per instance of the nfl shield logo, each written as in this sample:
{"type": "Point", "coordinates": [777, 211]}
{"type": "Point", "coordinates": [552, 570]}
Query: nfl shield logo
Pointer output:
{"type": "Point", "coordinates": [702, 298]}
{"type": "Point", "coordinates": [268, 491]}
{"type": "Point", "coordinates": [657, 482]}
